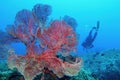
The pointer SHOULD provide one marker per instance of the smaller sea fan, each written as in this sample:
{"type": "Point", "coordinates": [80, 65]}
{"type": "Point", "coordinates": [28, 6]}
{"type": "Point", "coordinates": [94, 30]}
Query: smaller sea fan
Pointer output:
{"type": "Point", "coordinates": [23, 17]}
{"type": "Point", "coordinates": [25, 26]}
{"type": "Point", "coordinates": [6, 38]}
{"type": "Point", "coordinates": [42, 11]}
{"type": "Point", "coordinates": [70, 21]}
{"type": "Point", "coordinates": [11, 30]}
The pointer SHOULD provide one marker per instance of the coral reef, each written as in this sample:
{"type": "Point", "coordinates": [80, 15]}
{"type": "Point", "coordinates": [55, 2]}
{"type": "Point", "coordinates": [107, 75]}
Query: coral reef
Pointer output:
{"type": "Point", "coordinates": [103, 65]}
{"type": "Point", "coordinates": [15, 75]}
{"type": "Point", "coordinates": [43, 45]}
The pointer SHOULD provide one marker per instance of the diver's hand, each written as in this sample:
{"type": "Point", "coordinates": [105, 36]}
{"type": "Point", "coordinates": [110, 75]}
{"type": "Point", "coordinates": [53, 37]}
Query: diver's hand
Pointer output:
{"type": "Point", "coordinates": [98, 25]}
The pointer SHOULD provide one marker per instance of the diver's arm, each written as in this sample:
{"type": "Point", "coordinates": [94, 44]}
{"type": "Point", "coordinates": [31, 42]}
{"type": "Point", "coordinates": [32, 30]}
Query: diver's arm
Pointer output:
{"type": "Point", "coordinates": [94, 36]}
{"type": "Point", "coordinates": [90, 33]}
{"type": "Point", "coordinates": [98, 25]}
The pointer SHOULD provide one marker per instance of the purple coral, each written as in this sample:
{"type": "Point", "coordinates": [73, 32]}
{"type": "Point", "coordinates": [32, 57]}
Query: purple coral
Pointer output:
{"type": "Point", "coordinates": [70, 21]}
{"type": "Point", "coordinates": [25, 26]}
{"type": "Point", "coordinates": [42, 11]}
{"type": "Point", "coordinates": [23, 17]}
{"type": "Point", "coordinates": [6, 38]}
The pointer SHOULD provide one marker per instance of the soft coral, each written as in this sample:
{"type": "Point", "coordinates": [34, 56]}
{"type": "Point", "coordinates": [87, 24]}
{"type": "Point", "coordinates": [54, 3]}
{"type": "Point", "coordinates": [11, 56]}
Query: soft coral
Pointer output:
{"type": "Point", "coordinates": [58, 37]}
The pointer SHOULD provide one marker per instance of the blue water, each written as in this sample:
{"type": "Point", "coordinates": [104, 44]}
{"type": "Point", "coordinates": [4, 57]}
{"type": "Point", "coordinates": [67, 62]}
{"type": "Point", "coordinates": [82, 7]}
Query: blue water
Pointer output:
{"type": "Point", "coordinates": [86, 12]}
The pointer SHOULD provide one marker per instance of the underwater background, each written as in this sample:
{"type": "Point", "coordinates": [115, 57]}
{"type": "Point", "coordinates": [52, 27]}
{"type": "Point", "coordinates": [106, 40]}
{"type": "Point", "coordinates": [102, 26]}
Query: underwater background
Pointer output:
{"type": "Point", "coordinates": [86, 13]}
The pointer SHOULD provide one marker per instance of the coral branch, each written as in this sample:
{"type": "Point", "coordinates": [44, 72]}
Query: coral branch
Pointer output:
{"type": "Point", "coordinates": [59, 35]}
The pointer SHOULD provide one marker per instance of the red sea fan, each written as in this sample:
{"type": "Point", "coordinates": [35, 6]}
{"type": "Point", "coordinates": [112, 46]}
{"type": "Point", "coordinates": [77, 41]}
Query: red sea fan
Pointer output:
{"type": "Point", "coordinates": [58, 36]}
{"type": "Point", "coordinates": [31, 65]}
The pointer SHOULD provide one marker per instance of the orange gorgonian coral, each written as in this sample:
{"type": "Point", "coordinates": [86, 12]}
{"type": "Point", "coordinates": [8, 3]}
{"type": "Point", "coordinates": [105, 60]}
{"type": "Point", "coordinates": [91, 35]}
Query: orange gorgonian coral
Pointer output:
{"type": "Point", "coordinates": [58, 37]}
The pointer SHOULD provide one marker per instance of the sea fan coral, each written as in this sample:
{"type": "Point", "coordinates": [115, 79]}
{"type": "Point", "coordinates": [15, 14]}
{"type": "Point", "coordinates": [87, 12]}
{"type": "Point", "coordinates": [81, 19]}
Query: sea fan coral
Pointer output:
{"type": "Point", "coordinates": [41, 12]}
{"type": "Point", "coordinates": [58, 37]}
{"type": "Point", "coordinates": [23, 17]}
{"type": "Point", "coordinates": [6, 38]}
{"type": "Point", "coordinates": [24, 28]}
{"type": "Point", "coordinates": [70, 21]}
{"type": "Point", "coordinates": [47, 60]}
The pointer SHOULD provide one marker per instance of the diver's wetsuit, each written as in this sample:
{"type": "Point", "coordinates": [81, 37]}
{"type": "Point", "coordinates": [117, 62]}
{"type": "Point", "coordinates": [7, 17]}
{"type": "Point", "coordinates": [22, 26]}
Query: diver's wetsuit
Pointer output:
{"type": "Point", "coordinates": [87, 44]}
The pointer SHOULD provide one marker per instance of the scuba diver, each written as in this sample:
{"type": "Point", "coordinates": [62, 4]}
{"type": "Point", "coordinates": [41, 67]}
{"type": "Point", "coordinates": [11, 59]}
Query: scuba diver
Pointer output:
{"type": "Point", "coordinates": [87, 44]}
